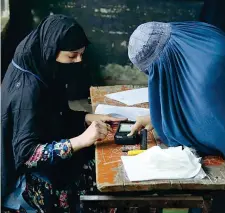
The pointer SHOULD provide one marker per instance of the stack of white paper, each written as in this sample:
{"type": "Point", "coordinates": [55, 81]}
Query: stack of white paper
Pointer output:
{"type": "Point", "coordinates": [156, 163]}
{"type": "Point", "coordinates": [121, 112]}
{"type": "Point", "coordinates": [131, 97]}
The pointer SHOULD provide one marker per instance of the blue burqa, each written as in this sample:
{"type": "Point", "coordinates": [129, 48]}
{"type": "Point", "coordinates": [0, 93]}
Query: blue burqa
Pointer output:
{"type": "Point", "coordinates": [185, 64]}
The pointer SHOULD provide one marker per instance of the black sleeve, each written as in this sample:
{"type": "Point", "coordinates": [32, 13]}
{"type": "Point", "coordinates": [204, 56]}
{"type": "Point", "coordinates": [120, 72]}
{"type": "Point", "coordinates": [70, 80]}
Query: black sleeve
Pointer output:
{"type": "Point", "coordinates": [75, 123]}
{"type": "Point", "coordinates": [28, 147]}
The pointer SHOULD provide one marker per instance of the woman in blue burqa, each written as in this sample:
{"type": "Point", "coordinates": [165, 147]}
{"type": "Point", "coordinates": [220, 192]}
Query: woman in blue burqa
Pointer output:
{"type": "Point", "coordinates": [185, 64]}
{"type": "Point", "coordinates": [47, 158]}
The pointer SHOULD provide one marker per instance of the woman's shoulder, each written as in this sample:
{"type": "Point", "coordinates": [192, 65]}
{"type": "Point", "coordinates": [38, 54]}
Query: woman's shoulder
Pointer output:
{"type": "Point", "coordinates": [20, 89]}
{"type": "Point", "coordinates": [16, 80]}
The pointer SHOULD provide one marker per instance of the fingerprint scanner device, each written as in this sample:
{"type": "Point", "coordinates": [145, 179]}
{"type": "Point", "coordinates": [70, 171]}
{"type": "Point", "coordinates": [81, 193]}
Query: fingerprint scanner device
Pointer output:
{"type": "Point", "coordinates": [123, 130]}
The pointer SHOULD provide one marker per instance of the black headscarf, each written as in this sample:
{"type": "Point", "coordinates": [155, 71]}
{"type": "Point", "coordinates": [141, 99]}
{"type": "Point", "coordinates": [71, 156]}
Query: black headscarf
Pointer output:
{"type": "Point", "coordinates": [41, 46]}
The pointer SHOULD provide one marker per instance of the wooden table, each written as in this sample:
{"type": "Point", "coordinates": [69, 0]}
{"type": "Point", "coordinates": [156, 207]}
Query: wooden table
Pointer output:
{"type": "Point", "coordinates": [110, 173]}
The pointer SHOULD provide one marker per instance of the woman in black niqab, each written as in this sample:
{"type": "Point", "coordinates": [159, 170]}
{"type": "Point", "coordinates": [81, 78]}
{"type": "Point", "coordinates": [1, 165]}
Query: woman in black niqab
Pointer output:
{"type": "Point", "coordinates": [46, 155]}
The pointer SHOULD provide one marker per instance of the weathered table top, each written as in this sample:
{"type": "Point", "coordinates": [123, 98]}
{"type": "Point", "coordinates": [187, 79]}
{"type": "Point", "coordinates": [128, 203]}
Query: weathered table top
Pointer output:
{"type": "Point", "coordinates": [110, 173]}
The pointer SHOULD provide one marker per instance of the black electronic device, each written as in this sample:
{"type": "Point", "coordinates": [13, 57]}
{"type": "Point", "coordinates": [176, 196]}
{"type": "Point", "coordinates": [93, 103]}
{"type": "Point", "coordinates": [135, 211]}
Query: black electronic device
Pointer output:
{"type": "Point", "coordinates": [144, 136]}
{"type": "Point", "coordinates": [123, 130]}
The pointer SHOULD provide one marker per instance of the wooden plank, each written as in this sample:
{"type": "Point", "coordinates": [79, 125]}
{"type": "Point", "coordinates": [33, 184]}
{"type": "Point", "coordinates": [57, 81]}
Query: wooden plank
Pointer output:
{"type": "Point", "coordinates": [146, 185]}
{"type": "Point", "coordinates": [141, 201]}
{"type": "Point", "coordinates": [107, 164]}
{"type": "Point", "coordinates": [175, 185]}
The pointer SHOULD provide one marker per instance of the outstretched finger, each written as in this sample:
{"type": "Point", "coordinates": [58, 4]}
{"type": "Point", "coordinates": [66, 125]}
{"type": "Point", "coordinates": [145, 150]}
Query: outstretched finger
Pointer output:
{"type": "Point", "coordinates": [135, 128]}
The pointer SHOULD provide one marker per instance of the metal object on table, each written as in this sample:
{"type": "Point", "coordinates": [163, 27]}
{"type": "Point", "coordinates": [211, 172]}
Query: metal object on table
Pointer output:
{"type": "Point", "coordinates": [144, 135]}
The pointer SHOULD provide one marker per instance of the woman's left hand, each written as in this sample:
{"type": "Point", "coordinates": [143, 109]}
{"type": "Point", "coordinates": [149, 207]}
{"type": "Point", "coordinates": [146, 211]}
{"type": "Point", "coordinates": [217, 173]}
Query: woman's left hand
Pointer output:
{"type": "Point", "coordinates": [89, 118]}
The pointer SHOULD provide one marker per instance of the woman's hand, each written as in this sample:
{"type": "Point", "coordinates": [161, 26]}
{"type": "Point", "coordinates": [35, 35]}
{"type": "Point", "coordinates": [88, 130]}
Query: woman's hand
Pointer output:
{"type": "Point", "coordinates": [98, 130]}
{"type": "Point", "coordinates": [89, 118]}
{"type": "Point", "coordinates": [141, 121]}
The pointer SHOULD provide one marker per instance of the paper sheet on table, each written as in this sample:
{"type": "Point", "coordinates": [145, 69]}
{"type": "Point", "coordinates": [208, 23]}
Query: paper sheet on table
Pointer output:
{"type": "Point", "coordinates": [130, 97]}
{"type": "Point", "coordinates": [156, 163]}
{"type": "Point", "coordinates": [121, 112]}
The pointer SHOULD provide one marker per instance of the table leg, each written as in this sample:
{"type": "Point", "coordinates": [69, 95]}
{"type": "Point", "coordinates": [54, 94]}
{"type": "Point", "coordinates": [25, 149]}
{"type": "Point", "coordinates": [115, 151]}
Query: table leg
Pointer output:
{"type": "Point", "coordinates": [207, 205]}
